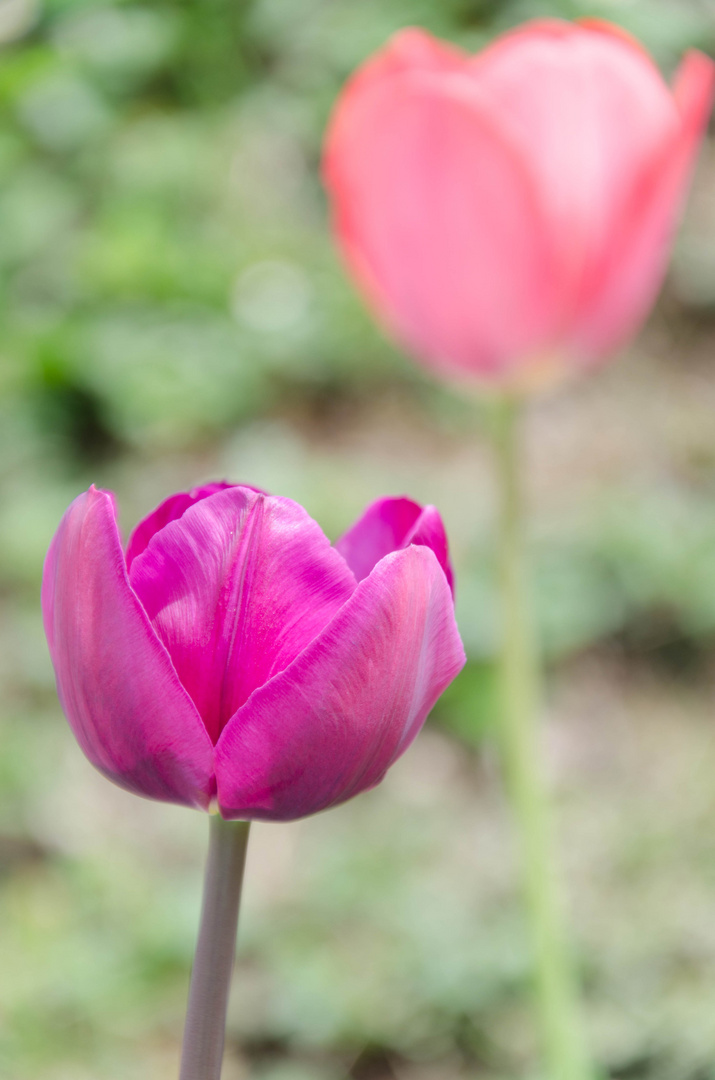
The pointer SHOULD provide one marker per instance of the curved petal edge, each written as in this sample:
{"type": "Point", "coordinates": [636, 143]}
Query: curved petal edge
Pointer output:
{"type": "Point", "coordinates": [115, 680]}
{"type": "Point", "coordinates": [331, 724]}
{"type": "Point", "coordinates": [389, 524]}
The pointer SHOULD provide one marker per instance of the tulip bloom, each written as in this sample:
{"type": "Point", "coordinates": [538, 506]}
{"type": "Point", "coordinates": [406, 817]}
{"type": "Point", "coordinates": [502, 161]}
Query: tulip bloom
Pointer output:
{"type": "Point", "coordinates": [233, 655]}
{"type": "Point", "coordinates": [510, 214]}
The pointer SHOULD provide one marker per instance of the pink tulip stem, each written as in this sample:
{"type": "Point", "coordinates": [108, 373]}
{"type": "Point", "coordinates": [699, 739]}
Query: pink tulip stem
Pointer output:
{"type": "Point", "coordinates": [205, 1028]}
{"type": "Point", "coordinates": [555, 983]}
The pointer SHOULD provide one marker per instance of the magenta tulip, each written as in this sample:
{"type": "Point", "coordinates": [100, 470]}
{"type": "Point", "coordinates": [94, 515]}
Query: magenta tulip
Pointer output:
{"type": "Point", "coordinates": [233, 655]}
{"type": "Point", "coordinates": [509, 215]}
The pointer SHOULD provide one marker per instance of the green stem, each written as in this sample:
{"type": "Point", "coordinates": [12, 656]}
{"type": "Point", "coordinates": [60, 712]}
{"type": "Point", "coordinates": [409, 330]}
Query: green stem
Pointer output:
{"type": "Point", "coordinates": [554, 978]}
{"type": "Point", "coordinates": [205, 1027]}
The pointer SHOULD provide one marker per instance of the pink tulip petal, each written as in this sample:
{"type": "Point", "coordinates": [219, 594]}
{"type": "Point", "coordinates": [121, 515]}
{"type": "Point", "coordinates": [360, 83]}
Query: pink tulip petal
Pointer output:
{"type": "Point", "coordinates": [510, 214]}
{"type": "Point", "coordinates": [587, 107]}
{"type": "Point", "coordinates": [627, 280]}
{"type": "Point", "coordinates": [602, 26]}
{"type": "Point", "coordinates": [118, 688]}
{"type": "Point", "coordinates": [236, 588]}
{"type": "Point", "coordinates": [409, 50]}
{"type": "Point", "coordinates": [439, 218]}
{"type": "Point", "coordinates": [388, 525]}
{"type": "Point", "coordinates": [330, 725]}
{"type": "Point", "coordinates": [170, 510]}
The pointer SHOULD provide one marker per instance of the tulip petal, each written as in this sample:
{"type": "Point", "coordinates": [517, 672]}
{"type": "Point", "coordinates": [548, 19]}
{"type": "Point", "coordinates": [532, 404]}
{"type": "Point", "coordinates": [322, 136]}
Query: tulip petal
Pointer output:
{"type": "Point", "coordinates": [409, 50]}
{"type": "Point", "coordinates": [330, 725]}
{"type": "Point", "coordinates": [118, 688]}
{"type": "Point", "coordinates": [236, 588]}
{"type": "Point", "coordinates": [587, 107]}
{"type": "Point", "coordinates": [429, 530]}
{"type": "Point", "coordinates": [170, 510]}
{"type": "Point", "coordinates": [438, 216]}
{"type": "Point", "coordinates": [389, 525]}
{"type": "Point", "coordinates": [625, 283]}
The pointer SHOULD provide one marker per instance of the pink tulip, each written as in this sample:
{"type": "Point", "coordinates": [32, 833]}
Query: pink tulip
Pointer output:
{"type": "Point", "coordinates": [510, 214]}
{"type": "Point", "coordinates": [234, 655]}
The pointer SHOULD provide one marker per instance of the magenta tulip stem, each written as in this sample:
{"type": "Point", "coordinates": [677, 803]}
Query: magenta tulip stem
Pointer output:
{"type": "Point", "coordinates": [205, 1028]}
{"type": "Point", "coordinates": [555, 983]}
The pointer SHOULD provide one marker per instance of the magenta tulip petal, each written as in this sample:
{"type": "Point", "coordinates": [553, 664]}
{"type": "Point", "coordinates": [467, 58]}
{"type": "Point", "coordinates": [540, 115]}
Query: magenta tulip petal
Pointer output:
{"type": "Point", "coordinates": [331, 724]}
{"type": "Point", "coordinates": [170, 510]}
{"type": "Point", "coordinates": [388, 525]}
{"type": "Point", "coordinates": [429, 530]}
{"type": "Point", "coordinates": [383, 528]}
{"type": "Point", "coordinates": [236, 588]}
{"type": "Point", "coordinates": [118, 688]}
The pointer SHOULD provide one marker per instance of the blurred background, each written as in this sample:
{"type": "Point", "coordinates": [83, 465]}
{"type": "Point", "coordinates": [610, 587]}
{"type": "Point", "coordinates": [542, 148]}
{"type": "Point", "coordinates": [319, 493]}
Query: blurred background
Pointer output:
{"type": "Point", "coordinates": [172, 310]}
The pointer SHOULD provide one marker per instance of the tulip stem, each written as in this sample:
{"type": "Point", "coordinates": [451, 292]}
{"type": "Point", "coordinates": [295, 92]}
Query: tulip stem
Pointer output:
{"type": "Point", "coordinates": [555, 984]}
{"type": "Point", "coordinates": [205, 1027]}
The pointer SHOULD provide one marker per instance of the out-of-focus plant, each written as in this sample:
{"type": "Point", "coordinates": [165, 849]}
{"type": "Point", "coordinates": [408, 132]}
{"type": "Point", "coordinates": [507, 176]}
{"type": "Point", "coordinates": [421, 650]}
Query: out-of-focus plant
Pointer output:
{"type": "Point", "coordinates": [189, 221]}
{"type": "Point", "coordinates": [508, 217]}
{"type": "Point", "coordinates": [234, 661]}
